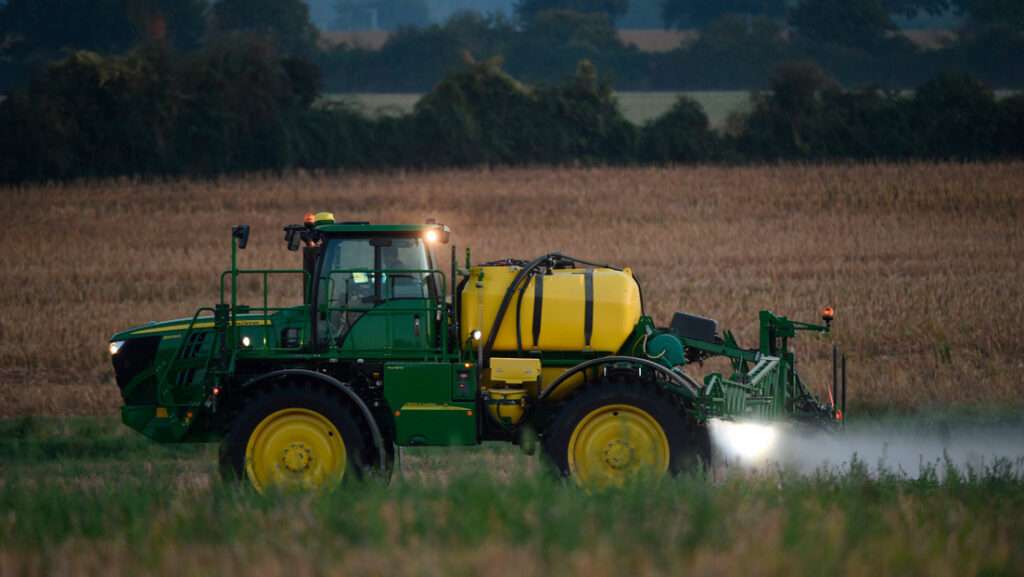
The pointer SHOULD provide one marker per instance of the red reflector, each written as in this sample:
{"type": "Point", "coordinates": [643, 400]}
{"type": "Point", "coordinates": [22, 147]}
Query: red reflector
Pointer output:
{"type": "Point", "coordinates": [398, 413]}
{"type": "Point", "coordinates": [470, 413]}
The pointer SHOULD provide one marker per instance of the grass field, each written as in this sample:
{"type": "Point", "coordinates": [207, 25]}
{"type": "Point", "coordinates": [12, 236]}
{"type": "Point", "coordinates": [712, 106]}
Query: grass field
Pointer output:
{"type": "Point", "coordinates": [83, 497]}
{"type": "Point", "coordinates": [638, 107]}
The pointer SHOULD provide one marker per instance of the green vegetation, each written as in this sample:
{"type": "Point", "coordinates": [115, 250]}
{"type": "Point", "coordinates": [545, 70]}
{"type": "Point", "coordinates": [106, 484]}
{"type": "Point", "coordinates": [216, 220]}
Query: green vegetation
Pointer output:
{"type": "Point", "coordinates": [238, 106]}
{"type": "Point", "coordinates": [737, 42]}
{"type": "Point", "coordinates": [132, 507]}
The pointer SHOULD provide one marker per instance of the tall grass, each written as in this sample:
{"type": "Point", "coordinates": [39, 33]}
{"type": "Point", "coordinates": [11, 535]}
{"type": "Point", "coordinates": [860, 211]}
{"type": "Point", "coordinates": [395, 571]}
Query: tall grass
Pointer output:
{"type": "Point", "coordinates": [153, 510]}
{"type": "Point", "coordinates": [920, 261]}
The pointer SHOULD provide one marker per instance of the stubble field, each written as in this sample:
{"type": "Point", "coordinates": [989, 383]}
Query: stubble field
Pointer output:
{"type": "Point", "coordinates": [921, 262]}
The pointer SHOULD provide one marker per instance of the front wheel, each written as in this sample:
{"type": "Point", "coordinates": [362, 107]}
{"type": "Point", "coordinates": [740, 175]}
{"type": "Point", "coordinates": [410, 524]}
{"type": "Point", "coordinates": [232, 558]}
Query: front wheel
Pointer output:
{"type": "Point", "coordinates": [293, 438]}
{"type": "Point", "coordinates": [618, 429]}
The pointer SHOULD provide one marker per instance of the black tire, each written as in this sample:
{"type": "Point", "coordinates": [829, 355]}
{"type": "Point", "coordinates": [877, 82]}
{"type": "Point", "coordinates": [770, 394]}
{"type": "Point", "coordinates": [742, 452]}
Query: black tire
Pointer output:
{"type": "Point", "coordinates": [618, 427]}
{"type": "Point", "coordinates": [316, 436]}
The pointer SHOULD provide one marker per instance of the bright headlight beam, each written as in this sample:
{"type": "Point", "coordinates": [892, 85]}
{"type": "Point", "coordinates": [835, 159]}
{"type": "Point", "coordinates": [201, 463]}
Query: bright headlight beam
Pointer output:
{"type": "Point", "coordinates": [748, 442]}
{"type": "Point", "coordinates": [116, 346]}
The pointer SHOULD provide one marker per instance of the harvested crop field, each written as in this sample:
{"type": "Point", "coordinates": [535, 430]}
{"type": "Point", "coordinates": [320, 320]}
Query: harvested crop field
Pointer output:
{"type": "Point", "coordinates": [920, 261]}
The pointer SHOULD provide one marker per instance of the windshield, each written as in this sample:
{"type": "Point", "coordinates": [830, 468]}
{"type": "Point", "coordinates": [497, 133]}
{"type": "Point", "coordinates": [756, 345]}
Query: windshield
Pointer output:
{"type": "Point", "coordinates": [359, 274]}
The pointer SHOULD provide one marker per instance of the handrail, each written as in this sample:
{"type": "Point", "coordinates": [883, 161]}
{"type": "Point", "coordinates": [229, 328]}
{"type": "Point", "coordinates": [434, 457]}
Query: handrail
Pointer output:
{"type": "Point", "coordinates": [161, 382]}
{"type": "Point", "coordinates": [266, 310]}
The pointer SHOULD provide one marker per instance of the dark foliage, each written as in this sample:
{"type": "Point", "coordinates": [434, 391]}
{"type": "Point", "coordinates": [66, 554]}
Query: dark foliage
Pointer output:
{"type": "Point", "coordinates": [956, 117]}
{"type": "Point", "coordinates": [286, 22]}
{"type": "Point", "coordinates": [34, 32]}
{"type": "Point", "coordinates": [237, 105]}
{"type": "Point", "coordinates": [527, 10]}
{"type": "Point", "coordinates": [682, 134]}
{"type": "Point", "coordinates": [807, 117]}
{"type": "Point", "coordinates": [414, 59]}
{"type": "Point", "coordinates": [859, 24]}
{"type": "Point", "coordinates": [731, 53]}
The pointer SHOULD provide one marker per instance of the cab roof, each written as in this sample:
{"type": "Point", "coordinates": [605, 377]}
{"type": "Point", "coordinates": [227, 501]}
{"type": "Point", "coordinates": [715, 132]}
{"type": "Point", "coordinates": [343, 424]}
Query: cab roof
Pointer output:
{"type": "Point", "coordinates": [358, 228]}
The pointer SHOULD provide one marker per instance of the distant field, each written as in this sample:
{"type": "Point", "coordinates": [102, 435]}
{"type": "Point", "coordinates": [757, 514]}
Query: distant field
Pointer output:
{"type": "Point", "coordinates": [654, 40]}
{"type": "Point", "coordinates": [638, 107]}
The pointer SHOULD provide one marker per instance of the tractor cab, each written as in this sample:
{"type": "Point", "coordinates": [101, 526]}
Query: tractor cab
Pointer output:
{"type": "Point", "coordinates": [373, 290]}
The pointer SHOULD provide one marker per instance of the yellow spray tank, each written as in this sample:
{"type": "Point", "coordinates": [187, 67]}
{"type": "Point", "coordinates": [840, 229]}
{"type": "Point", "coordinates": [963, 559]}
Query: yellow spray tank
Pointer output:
{"type": "Point", "coordinates": [561, 309]}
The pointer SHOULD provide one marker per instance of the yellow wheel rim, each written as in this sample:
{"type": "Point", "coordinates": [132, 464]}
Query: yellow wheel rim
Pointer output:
{"type": "Point", "coordinates": [295, 448]}
{"type": "Point", "coordinates": [616, 443]}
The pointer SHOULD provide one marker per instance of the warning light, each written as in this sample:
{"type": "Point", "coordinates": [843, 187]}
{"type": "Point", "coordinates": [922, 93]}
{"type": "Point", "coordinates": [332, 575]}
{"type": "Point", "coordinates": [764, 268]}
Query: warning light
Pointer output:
{"type": "Point", "coordinates": [470, 413]}
{"type": "Point", "coordinates": [309, 219]}
{"type": "Point", "coordinates": [216, 390]}
{"type": "Point", "coordinates": [398, 413]}
{"type": "Point", "coordinates": [827, 315]}
{"type": "Point", "coordinates": [468, 365]}
{"type": "Point", "coordinates": [839, 415]}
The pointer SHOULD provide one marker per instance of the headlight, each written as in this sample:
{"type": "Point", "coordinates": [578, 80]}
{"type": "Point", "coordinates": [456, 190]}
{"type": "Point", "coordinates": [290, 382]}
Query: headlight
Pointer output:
{"type": "Point", "coordinates": [749, 442]}
{"type": "Point", "coordinates": [115, 346]}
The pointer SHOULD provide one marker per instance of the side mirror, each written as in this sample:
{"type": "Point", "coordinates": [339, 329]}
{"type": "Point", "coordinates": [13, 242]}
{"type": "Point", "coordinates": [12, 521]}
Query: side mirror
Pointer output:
{"type": "Point", "coordinates": [293, 238]}
{"type": "Point", "coordinates": [241, 232]}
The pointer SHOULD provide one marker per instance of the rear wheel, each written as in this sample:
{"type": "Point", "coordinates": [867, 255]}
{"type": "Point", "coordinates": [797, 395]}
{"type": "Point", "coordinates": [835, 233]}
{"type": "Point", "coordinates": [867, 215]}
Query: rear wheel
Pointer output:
{"type": "Point", "coordinates": [618, 429]}
{"type": "Point", "coordinates": [293, 438]}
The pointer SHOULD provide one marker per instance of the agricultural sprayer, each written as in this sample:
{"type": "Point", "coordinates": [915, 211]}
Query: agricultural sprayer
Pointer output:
{"type": "Point", "coordinates": [386, 350]}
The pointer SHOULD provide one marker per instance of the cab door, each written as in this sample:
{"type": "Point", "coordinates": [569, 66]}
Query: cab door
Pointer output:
{"type": "Point", "coordinates": [377, 298]}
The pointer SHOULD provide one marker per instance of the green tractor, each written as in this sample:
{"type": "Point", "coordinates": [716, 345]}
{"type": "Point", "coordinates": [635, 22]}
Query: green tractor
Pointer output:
{"type": "Point", "coordinates": [386, 350]}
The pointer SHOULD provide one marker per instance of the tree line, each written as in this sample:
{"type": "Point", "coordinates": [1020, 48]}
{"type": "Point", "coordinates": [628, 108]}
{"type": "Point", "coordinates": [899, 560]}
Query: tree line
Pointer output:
{"type": "Point", "coordinates": [239, 105]}
{"type": "Point", "coordinates": [739, 41]}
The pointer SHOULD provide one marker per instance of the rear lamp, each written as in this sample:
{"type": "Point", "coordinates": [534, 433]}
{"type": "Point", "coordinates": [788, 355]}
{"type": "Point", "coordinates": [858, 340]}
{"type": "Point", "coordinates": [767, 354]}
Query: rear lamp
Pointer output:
{"type": "Point", "coordinates": [246, 341]}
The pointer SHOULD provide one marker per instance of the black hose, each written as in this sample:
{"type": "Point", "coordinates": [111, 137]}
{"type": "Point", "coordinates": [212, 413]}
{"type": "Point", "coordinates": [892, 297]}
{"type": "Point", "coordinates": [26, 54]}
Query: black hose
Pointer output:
{"type": "Point", "coordinates": [680, 380]}
{"type": "Point", "coordinates": [508, 298]}
{"type": "Point", "coordinates": [528, 269]}
{"type": "Point", "coordinates": [519, 323]}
